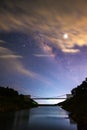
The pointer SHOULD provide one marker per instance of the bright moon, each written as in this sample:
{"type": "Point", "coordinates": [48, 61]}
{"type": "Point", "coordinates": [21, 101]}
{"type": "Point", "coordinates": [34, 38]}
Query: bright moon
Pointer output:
{"type": "Point", "coordinates": [65, 36]}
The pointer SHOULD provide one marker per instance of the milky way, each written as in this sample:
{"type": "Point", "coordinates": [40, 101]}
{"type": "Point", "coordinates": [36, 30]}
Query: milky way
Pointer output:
{"type": "Point", "coordinates": [43, 45]}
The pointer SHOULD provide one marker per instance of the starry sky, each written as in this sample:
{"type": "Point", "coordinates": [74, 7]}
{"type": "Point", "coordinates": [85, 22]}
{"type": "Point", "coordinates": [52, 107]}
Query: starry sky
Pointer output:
{"type": "Point", "coordinates": [43, 45]}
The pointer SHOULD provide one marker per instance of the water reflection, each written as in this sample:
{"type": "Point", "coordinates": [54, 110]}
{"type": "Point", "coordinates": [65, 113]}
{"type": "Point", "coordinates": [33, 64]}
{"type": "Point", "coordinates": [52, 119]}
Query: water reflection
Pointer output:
{"type": "Point", "coordinates": [21, 120]}
{"type": "Point", "coordinates": [50, 118]}
{"type": "Point", "coordinates": [6, 121]}
{"type": "Point", "coordinates": [41, 118]}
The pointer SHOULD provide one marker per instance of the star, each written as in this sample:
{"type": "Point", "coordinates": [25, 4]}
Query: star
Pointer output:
{"type": "Point", "coordinates": [24, 45]}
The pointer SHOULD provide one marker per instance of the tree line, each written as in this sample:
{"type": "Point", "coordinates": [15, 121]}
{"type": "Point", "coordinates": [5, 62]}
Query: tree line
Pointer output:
{"type": "Point", "coordinates": [11, 100]}
{"type": "Point", "coordinates": [77, 104]}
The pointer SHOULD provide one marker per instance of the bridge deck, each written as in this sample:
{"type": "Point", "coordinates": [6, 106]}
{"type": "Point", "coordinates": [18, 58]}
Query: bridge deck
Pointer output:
{"type": "Point", "coordinates": [47, 98]}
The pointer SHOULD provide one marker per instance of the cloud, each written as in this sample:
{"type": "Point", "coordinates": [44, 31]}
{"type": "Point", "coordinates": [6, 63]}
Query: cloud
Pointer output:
{"type": "Point", "coordinates": [70, 50]}
{"type": "Point", "coordinates": [1, 41]}
{"type": "Point", "coordinates": [10, 56]}
{"type": "Point", "coordinates": [43, 55]}
{"type": "Point", "coordinates": [51, 21]}
{"type": "Point", "coordinates": [10, 62]}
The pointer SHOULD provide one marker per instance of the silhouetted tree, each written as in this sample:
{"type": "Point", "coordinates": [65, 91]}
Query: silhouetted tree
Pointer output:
{"type": "Point", "coordinates": [21, 96]}
{"type": "Point", "coordinates": [9, 92]}
{"type": "Point", "coordinates": [11, 100]}
{"type": "Point", "coordinates": [81, 90]}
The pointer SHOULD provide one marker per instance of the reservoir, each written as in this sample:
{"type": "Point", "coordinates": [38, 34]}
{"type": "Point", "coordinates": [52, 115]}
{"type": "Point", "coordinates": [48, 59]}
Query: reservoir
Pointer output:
{"type": "Point", "coordinates": [40, 118]}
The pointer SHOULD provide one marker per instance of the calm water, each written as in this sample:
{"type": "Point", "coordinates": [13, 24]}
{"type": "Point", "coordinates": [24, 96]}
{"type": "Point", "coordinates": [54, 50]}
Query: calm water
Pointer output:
{"type": "Point", "coordinates": [41, 118]}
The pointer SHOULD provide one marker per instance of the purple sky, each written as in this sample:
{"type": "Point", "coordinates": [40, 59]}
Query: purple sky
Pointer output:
{"type": "Point", "coordinates": [43, 45]}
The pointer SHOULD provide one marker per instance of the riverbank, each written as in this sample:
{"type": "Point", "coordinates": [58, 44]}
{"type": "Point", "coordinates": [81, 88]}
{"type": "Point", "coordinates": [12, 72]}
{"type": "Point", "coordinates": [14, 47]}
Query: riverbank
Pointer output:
{"type": "Point", "coordinates": [76, 108]}
{"type": "Point", "coordinates": [15, 104]}
{"type": "Point", "coordinates": [11, 100]}
{"type": "Point", "coordinates": [77, 104]}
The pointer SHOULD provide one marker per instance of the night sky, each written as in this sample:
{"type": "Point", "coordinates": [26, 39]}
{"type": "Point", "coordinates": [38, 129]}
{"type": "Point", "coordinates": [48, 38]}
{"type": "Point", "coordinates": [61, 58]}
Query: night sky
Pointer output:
{"type": "Point", "coordinates": [43, 45]}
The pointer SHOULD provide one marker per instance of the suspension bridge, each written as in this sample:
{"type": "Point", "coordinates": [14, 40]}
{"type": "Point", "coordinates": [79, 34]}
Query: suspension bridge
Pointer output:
{"type": "Point", "coordinates": [49, 100]}
{"type": "Point", "coordinates": [65, 96]}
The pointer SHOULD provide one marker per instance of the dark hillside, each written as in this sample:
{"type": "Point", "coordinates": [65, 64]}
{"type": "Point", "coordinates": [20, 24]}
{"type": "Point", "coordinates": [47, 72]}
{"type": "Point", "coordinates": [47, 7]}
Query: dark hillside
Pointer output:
{"type": "Point", "coordinates": [10, 100]}
{"type": "Point", "coordinates": [77, 104]}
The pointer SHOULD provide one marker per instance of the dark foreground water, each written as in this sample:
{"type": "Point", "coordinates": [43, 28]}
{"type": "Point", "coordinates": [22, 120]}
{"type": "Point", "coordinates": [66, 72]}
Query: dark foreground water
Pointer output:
{"type": "Point", "coordinates": [40, 118]}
